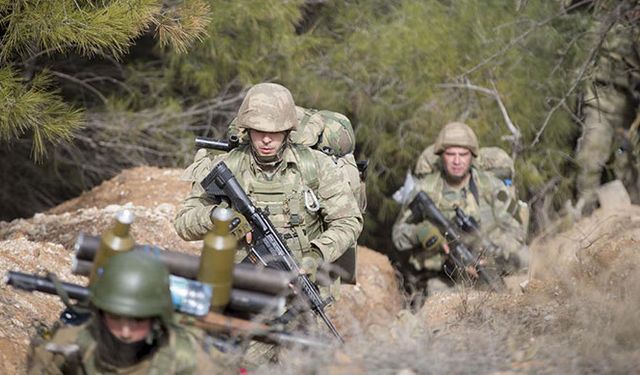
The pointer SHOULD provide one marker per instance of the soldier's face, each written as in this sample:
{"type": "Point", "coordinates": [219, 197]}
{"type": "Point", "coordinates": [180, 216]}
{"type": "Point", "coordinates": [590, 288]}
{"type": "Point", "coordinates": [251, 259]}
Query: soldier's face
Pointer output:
{"type": "Point", "coordinates": [456, 161]}
{"type": "Point", "coordinates": [265, 143]}
{"type": "Point", "coordinates": [127, 329]}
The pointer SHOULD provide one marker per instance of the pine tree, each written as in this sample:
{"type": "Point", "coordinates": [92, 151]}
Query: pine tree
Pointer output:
{"type": "Point", "coordinates": [46, 46]}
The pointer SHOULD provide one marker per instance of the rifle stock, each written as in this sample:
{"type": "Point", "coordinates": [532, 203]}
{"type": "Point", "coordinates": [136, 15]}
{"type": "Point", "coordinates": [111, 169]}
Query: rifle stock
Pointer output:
{"type": "Point", "coordinates": [267, 248]}
{"type": "Point", "coordinates": [423, 208]}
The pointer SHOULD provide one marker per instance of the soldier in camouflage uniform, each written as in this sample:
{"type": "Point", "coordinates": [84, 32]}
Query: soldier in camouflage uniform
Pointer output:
{"type": "Point", "coordinates": [609, 141]}
{"type": "Point", "coordinates": [305, 195]}
{"type": "Point", "coordinates": [306, 198]}
{"type": "Point", "coordinates": [457, 183]}
{"type": "Point", "coordinates": [131, 330]}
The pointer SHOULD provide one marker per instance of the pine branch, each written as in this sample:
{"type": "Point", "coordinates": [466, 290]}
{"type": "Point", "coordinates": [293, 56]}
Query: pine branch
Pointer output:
{"type": "Point", "coordinates": [35, 110]}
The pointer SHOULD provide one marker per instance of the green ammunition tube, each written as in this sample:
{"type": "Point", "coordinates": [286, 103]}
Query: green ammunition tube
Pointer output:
{"type": "Point", "coordinates": [216, 261]}
{"type": "Point", "coordinates": [115, 240]}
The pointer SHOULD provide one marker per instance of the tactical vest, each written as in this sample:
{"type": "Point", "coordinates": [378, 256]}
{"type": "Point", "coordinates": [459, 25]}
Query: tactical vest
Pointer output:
{"type": "Point", "coordinates": [291, 201]}
{"type": "Point", "coordinates": [176, 357]}
{"type": "Point", "coordinates": [482, 191]}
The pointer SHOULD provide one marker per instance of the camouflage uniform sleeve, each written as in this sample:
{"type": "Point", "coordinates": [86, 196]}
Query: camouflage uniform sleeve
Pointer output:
{"type": "Point", "coordinates": [43, 361]}
{"type": "Point", "coordinates": [193, 219]}
{"type": "Point", "coordinates": [339, 210]}
{"type": "Point", "coordinates": [405, 235]}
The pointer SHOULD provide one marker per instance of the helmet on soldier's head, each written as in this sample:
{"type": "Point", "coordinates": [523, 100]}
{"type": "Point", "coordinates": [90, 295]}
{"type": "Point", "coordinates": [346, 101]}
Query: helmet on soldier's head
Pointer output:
{"type": "Point", "coordinates": [134, 285]}
{"type": "Point", "coordinates": [268, 107]}
{"type": "Point", "coordinates": [456, 134]}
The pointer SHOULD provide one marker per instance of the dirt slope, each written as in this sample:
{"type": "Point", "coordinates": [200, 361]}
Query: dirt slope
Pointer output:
{"type": "Point", "coordinates": [45, 242]}
{"type": "Point", "coordinates": [578, 313]}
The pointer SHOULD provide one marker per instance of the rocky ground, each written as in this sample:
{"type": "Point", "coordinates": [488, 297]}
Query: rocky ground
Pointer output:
{"type": "Point", "coordinates": [576, 312]}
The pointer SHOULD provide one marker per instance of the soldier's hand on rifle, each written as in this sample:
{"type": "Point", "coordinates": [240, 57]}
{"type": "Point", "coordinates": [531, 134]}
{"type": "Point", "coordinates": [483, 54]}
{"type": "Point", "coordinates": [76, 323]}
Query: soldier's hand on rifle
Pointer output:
{"type": "Point", "coordinates": [248, 237]}
{"type": "Point", "coordinates": [310, 263]}
{"type": "Point", "coordinates": [429, 237]}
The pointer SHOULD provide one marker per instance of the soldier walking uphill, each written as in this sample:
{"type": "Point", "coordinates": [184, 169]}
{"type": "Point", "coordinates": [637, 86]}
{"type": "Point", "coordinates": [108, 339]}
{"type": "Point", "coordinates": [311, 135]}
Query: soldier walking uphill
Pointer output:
{"type": "Point", "coordinates": [314, 212]}
{"type": "Point", "coordinates": [305, 195]}
{"type": "Point", "coordinates": [457, 183]}
{"type": "Point", "coordinates": [611, 110]}
{"type": "Point", "coordinates": [131, 330]}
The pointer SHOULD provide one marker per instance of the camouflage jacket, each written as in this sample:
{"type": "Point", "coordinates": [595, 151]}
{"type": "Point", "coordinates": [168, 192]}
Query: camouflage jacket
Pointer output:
{"type": "Point", "coordinates": [488, 205]}
{"type": "Point", "coordinates": [333, 228]}
{"type": "Point", "coordinates": [180, 355]}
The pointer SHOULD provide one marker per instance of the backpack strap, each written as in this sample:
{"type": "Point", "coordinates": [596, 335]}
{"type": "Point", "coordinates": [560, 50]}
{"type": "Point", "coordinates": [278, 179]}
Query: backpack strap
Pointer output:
{"type": "Point", "coordinates": [432, 184]}
{"type": "Point", "coordinates": [237, 158]}
{"type": "Point", "coordinates": [308, 166]}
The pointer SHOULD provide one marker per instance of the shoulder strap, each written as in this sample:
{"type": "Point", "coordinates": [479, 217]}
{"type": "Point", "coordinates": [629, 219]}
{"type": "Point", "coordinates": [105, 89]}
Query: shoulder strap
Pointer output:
{"type": "Point", "coordinates": [485, 180]}
{"type": "Point", "coordinates": [308, 166]}
{"type": "Point", "coordinates": [236, 158]}
{"type": "Point", "coordinates": [87, 345]}
{"type": "Point", "coordinates": [432, 184]}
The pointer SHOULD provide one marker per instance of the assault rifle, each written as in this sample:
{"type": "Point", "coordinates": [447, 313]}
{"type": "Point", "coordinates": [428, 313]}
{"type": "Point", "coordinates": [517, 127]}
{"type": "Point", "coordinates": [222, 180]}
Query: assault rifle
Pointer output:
{"type": "Point", "coordinates": [423, 208]}
{"type": "Point", "coordinates": [470, 225]}
{"type": "Point", "coordinates": [267, 248]}
{"type": "Point", "coordinates": [210, 322]}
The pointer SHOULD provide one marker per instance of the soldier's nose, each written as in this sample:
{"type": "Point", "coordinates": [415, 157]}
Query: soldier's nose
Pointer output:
{"type": "Point", "coordinates": [125, 332]}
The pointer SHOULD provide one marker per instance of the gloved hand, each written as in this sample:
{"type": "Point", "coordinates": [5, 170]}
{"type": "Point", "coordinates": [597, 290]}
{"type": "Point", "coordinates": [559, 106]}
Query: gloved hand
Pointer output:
{"type": "Point", "coordinates": [429, 237]}
{"type": "Point", "coordinates": [310, 263]}
{"type": "Point", "coordinates": [239, 225]}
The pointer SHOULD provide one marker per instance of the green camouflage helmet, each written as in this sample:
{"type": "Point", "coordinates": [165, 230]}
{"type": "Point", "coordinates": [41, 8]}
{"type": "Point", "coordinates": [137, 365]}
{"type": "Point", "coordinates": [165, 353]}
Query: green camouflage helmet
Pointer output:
{"type": "Point", "coordinates": [268, 107]}
{"type": "Point", "coordinates": [134, 285]}
{"type": "Point", "coordinates": [456, 134]}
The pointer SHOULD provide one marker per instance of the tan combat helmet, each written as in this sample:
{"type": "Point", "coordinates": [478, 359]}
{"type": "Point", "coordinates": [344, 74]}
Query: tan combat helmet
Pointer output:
{"type": "Point", "coordinates": [456, 134]}
{"type": "Point", "coordinates": [268, 107]}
